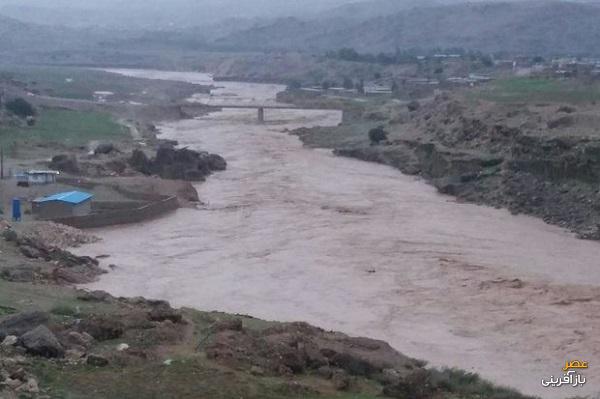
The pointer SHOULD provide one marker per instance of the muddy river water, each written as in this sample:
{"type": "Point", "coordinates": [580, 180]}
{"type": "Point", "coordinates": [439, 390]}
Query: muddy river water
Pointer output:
{"type": "Point", "coordinates": [290, 233]}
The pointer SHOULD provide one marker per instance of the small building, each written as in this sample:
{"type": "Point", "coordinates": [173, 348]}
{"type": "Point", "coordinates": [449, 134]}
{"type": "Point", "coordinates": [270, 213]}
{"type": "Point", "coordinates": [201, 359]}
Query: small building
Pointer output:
{"type": "Point", "coordinates": [37, 177]}
{"type": "Point", "coordinates": [62, 205]}
{"type": "Point", "coordinates": [480, 78]}
{"type": "Point", "coordinates": [372, 90]}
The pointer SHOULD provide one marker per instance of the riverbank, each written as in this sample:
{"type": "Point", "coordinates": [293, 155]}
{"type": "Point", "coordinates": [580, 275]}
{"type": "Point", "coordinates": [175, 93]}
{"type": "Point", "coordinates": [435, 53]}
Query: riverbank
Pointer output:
{"type": "Point", "coordinates": [291, 233]}
{"type": "Point", "coordinates": [539, 159]}
{"type": "Point", "coordinates": [58, 341]}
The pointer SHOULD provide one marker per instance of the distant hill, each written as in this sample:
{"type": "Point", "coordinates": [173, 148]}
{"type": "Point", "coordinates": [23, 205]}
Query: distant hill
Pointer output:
{"type": "Point", "coordinates": [531, 27]}
{"type": "Point", "coordinates": [16, 35]}
{"type": "Point", "coordinates": [362, 10]}
{"type": "Point", "coordinates": [155, 14]}
{"type": "Point", "coordinates": [540, 27]}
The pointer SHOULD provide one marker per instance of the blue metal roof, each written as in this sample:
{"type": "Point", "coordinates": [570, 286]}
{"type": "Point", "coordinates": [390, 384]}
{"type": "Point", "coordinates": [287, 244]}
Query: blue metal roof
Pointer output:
{"type": "Point", "coordinates": [71, 197]}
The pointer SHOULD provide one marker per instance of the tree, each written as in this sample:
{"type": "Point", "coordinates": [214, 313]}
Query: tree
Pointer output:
{"type": "Point", "coordinates": [294, 85]}
{"type": "Point", "coordinates": [20, 107]}
{"type": "Point", "coordinates": [348, 54]}
{"type": "Point", "coordinates": [348, 83]}
{"type": "Point", "coordinates": [413, 106]}
{"type": "Point", "coordinates": [487, 61]}
{"type": "Point", "coordinates": [377, 135]}
{"type": "Point", "coordinates": [360, 86]}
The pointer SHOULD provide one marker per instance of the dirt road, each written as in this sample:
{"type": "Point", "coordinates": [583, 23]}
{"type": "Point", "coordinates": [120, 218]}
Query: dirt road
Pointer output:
{"type": "Point", "coordinates": [298, 234]}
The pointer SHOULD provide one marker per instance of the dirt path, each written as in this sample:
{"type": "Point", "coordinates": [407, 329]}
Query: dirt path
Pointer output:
{"type": "Point", "coordinates": [297, 234]}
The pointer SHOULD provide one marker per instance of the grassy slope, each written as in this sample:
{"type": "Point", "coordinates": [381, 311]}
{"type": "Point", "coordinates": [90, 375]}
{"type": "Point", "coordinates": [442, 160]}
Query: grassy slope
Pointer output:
{"type": "Point", "coordinates": [65, 127]}
{"type": "Point", "coordinates": [191, 375]}
{"type": "Point", "coordinates": [75, 83]}
{"type": "Point", "coordinates": [538, 90]}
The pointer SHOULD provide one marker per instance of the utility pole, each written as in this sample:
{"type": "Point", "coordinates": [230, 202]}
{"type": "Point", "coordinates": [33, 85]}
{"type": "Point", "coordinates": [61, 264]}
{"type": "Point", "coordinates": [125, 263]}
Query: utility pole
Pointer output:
{"type": "Point", "coordinates": [1, 163]}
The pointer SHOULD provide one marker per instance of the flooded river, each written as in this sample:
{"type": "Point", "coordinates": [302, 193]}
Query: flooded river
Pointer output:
{"type": "Point", "coordinates": [290, 233]}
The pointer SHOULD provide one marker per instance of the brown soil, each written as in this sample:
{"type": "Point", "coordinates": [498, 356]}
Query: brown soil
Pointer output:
{"type": "Point", "coordinates": [537, 159]}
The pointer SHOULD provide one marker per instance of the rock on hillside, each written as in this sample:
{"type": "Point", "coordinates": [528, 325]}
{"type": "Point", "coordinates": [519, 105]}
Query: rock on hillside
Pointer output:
{"type": "Point", "coordinates": [178, 164]}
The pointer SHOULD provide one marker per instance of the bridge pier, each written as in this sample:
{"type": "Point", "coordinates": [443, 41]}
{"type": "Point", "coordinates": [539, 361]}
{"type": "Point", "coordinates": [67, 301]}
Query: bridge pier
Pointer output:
{"type": "Point", "coordinates": [261, 115]}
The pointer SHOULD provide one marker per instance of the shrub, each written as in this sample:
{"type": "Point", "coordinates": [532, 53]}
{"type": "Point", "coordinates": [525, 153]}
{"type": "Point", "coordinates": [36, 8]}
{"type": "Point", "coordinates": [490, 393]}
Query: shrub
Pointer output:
{"type": "Point", "coordinates": [20, 107]}
{"type": "Point", "coordinates": [294, 85]}
{"type": "Point", "coordinates": [413, 106]}
{"type": "Point", "coordinates": [377, 135]}
{"type": "Point", "coordinates": [64, 310]}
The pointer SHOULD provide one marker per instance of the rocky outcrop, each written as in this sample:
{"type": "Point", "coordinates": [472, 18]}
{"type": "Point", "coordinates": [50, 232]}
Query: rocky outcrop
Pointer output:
{"type": "Point", "coordinates": [532, 162]}
{"type": "Point", "coordinates": [297, 348]}
{"type": "Point", "coordinates": [42, 342]}
{"type": "Point", "coordinates": [178, 164]}
{"type": "Point", "coordinates": [61, 266]}
{"type": "Point", "coordinates": [102, 327]}
{"type": "Point", "coordinates": [21, 323]}
{"type": "Point", "coordinates": [104, 148]}
{"type": "Point", "coordinates": [65, 163]}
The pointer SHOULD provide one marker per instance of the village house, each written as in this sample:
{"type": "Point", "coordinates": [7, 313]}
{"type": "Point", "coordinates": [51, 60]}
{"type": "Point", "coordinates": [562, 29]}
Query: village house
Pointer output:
{"type": "Point", "coordinates": [62, 205]}
{"type": "Point", "coordinates": [36, 177]}
{"type": "Point", "coordinates": [377, 90]}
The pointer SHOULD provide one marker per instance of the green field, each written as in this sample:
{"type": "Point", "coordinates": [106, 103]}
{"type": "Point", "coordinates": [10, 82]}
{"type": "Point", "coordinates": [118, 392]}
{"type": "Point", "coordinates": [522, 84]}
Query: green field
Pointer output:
{"type": "Point", "coordinates": [74, 83]}
{"type": "Point", "coordinates": [82, 83]}
{"type": "Point", "coordinates": [539, 90]}
{"type": "Point", "coordinates": [64, 127]}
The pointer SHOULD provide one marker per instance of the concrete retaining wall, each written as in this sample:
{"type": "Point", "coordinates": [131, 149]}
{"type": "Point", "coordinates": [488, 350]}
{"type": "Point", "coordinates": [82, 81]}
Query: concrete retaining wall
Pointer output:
{"type": "Point", "coordinates": [122, 216]}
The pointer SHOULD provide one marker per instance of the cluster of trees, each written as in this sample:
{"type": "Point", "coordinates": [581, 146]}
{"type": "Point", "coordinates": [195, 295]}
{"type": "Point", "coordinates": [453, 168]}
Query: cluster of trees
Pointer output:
{"type": "Point", "coordinates": [349, 54]}
{"type": "Point", "coordinates": [20, 107]}
{"type": "Point", "coordinates": [408, 56]}
{"type": "Point", "coordinates": [377, 135]}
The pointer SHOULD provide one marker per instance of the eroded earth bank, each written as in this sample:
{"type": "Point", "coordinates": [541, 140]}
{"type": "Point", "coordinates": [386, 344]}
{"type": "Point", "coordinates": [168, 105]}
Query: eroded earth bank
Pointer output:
{"type": "Point", "coordinates": [291, 234]}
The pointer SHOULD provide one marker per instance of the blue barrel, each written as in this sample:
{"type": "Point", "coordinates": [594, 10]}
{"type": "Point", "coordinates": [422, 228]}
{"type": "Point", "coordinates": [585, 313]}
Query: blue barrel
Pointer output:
{"type": "Point", "coordinates": [16, 208]}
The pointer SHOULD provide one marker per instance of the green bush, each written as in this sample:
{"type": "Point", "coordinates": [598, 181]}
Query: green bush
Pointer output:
{"type": "Point", "coordinates": [64, 310]}
{"type": "Point", "coordinates": [377, 135]}
{"type": "Point", "coordinates": [20, 107]}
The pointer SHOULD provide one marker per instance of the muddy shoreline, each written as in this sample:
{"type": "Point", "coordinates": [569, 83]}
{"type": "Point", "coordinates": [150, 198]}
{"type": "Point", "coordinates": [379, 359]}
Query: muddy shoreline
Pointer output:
{"type": "Point", "coordinates": [516, 163]}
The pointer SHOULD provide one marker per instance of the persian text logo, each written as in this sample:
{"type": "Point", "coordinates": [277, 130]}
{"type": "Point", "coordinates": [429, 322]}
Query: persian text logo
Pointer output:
{"type": "Point", "coordinates": [571, 377]}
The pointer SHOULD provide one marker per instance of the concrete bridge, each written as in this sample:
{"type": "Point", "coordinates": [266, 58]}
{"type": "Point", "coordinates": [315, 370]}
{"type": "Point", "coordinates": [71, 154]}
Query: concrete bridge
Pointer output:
{"type": "Point", "coordinates": [259, 108]}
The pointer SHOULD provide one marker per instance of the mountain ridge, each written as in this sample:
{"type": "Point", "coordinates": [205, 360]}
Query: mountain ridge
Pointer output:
{"type": "Point", "coordinates": [529, 27]}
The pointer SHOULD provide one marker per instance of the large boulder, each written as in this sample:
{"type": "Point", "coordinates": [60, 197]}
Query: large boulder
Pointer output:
{"type": "Point", "coordinates": [21, 323]}
{"type": "Point", "coordinates": [563, 121]}
{"type": "Point", "coordinates": [413, 106]}
{"type": "Point", "coordinates": [216, 162]}
{"type": "Point", "coordinates": [104, 148]}
{"type": "Point", "coordinates": [140, 162]}
{"type": "Point", "coordinates": [103, 328]}
{"type": "Point", "coordinates": [65, 163]}
{"type": "Point", "coordinates": [19, 274]}
{"type": "Point", "coordinates": [178, 164]}
{"type": "Point", "coordinates": [42, 342]}
{"type": "Point", "coordinates": [162, 311]}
